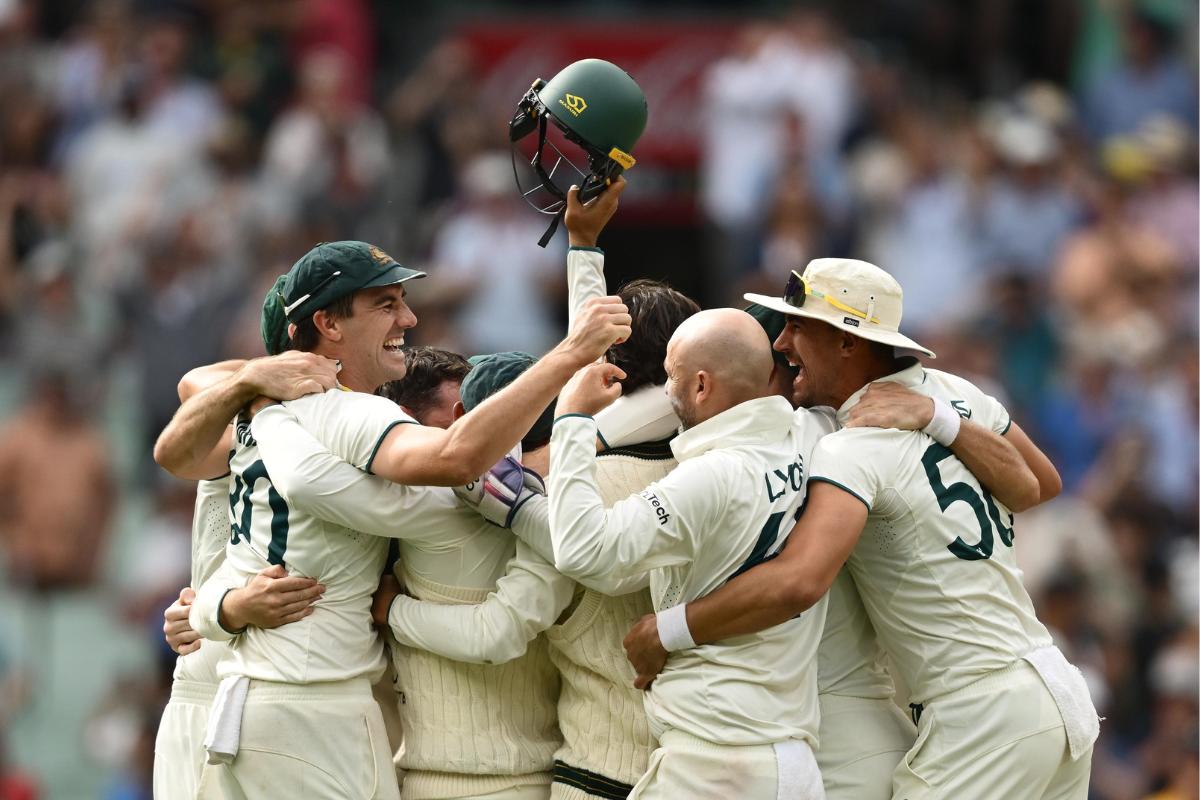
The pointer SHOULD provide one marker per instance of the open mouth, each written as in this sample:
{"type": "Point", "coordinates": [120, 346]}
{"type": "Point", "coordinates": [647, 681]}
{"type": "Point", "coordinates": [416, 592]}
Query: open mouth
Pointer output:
{"type": "Point", "coordinates": [395, 345]}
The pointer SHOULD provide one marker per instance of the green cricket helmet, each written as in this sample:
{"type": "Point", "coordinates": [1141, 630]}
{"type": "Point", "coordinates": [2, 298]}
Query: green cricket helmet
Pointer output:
{"type": "Point", "coordinates": [596, 106]}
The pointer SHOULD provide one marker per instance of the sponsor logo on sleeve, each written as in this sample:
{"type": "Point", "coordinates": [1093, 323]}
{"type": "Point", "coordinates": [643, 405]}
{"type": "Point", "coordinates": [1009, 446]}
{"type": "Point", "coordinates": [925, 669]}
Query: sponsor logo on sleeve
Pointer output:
{"type": "Point", "coordinates": [851, 321]}
{"type": "Point", "coordinates": [961, 407]}
{"type": "Point", "coordinates": [656, 504]}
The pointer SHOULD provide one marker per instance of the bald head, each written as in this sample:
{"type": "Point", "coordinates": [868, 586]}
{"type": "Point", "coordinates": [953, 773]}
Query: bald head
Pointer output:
{"type": "Point", "coordinates": [715, 360]}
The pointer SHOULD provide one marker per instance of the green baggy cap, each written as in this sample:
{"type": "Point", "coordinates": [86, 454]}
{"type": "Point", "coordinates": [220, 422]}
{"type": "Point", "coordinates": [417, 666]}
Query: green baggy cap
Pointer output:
{"type": "Point", "coordinates": [773, 322]}
{"type": "Point", "coordinates": [335, 269]}
{"type": "Point", "coordinates": [491, 373]}
{"type": "Point", "coordinates": [273, 325]}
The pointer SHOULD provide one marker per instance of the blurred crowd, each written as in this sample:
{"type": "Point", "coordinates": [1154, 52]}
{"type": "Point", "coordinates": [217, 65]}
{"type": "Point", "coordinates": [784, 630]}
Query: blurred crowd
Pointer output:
{"type": "Point", "coordinates": [161, 162]}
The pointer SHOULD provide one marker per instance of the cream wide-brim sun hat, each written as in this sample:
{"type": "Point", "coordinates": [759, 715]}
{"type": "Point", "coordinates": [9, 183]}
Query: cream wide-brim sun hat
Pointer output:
{"type": "Point", "coordinates": [858, 285]}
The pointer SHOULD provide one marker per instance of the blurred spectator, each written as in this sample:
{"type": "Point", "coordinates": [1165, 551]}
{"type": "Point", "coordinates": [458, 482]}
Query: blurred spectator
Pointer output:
{"type": "Point", "coordinates": [1150, 78]}
{"type": "Point", "coordinates": [129, 180]}
{"type": "Point", "coordinates": [508, 290]}
{"type": "Point", "coordinates": [783, 94]}
{"type": "Point", "coordinates": [184, 108]}
{"type": "Point", "coordinates": [1027, 210]}
{"type": "Point", "coordinates": [92, 69]}
{"type": "Point", "coordinates": [56, 490]}
{"type": "Point", "coordinates": [342, 25]}
{"type": "Point", "coordinates": [329, 153]}
{"type": "Point", "coordinates": [435, 114]}
{"type": "Point", "coordinates": [927, 239]}
{"type": "Point", "coordinates": [52, 327]}
{"type": "Point", "coordinates": [176, 319]}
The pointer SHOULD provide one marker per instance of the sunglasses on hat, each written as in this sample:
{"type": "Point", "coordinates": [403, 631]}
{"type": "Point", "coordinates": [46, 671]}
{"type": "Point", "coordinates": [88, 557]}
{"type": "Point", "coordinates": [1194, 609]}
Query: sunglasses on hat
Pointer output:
{"type": "Point", "coordinates": [798, 291]}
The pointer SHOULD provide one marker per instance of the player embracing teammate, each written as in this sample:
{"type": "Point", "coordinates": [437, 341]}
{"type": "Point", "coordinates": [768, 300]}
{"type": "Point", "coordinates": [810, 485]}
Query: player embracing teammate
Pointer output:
{"type": "Point", "coordinates": [771, 674]}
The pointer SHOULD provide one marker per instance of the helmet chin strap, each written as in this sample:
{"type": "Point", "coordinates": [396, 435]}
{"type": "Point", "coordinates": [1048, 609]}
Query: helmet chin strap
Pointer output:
{"type": "Point", "coordinates": [552, 229]}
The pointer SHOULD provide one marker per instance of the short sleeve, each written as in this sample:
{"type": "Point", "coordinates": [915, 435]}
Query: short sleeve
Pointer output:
{"type": "Point", "coordinates": [351, 424]}
{"type": "Point", "coordinates": [996, 414]}
{"type": "Point", "coordinates": [854, 460]}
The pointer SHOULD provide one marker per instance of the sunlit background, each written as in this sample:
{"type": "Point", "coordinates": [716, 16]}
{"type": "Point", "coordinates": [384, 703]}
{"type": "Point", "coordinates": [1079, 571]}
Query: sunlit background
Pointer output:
{"type": "Point", "coordinates": [1026, 168]}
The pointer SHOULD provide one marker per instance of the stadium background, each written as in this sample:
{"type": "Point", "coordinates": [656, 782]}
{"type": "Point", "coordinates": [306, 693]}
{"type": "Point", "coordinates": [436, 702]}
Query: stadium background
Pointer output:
{"type": "Point", "coordinates": [1027, 169]}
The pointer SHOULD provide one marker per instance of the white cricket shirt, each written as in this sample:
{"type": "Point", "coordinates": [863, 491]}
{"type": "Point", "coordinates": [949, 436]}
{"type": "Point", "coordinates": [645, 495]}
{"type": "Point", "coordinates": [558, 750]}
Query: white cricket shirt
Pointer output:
{"type": "Point", "coordinates": [934, 565]}
{"type": "Point", "coordinates": [337, 642]}
{"type": "Point", "coordinates": [729, 505]}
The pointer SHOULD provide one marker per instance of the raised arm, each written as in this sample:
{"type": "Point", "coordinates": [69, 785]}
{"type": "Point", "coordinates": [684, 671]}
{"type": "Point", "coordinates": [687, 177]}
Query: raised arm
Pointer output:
{"type": "Point", "coordinates": [652, 529]}
{"type": "Point", "coordinates": [420, 456]}
{"type": "Point", "coordinates": [196, 443]}
{"type": "Point", "coordinates": [528, 599]}
{"type": "Point", "coordinates": [992, 458]}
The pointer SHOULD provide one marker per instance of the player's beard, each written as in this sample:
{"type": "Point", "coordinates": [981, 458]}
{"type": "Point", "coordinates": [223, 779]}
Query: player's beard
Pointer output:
{"type": "Point", "coordinates": [684, 409]}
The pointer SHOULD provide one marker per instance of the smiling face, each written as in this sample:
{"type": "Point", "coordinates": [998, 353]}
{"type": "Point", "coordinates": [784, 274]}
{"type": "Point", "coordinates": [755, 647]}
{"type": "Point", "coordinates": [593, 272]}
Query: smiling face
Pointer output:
{"type": "Point", "coordinates": [373, 337]}
{"type": "Point", "coordinates": [813, 348]}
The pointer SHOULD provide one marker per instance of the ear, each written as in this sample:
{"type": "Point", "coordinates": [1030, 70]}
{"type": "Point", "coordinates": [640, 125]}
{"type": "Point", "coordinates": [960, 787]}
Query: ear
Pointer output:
{"type": "Point", "coordinates": [459, 410]}
{"type": "Point", "coordinates": [849, 345]}
{"type": "Point", "coordinates": [327, 326]}
{"type": "Point", "coordinates": [703, 385]}
{"type": "Point", "coordinates": [291, 330]}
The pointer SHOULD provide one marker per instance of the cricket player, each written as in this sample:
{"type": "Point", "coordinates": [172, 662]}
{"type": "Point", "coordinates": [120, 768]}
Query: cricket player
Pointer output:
{"type": "Point", "coordinates": [469, 730]}
{"type": "Point", "coordinates": [606, 739]}
{"type": "Point", "coordinates": [178, 747]}
{"type": "Point", "coordinates": [307, 684]}
{"type": "Point", "coordinates": [738, 719]}
{"type": "Point", "coordinates": [1000, 712]}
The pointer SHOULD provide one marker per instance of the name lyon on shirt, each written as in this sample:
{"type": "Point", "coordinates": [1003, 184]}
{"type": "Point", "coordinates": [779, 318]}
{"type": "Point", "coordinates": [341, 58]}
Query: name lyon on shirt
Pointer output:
{"type": "Point", "coordinates": [779, 481]}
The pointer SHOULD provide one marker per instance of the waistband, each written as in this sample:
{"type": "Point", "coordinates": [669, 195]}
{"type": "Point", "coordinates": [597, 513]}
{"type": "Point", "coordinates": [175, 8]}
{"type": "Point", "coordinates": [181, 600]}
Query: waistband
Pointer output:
{"type": "Point", "coordinates": [269, 691]}
{"type": "Point", "coordinates": [193, 692]}
{"type": "Point", "coordinates": [1018, 673]}
{"type": "Point", "coordinates": [426, 785]}
{"type": "Point", "coordinates": [585, 783]}
{"type": "Point", "coordinates": [673, 737]}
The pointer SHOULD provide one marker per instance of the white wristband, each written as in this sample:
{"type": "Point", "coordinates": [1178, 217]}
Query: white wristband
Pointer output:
{"type": "Point", "coordinates": [673, 630]}
{"type": "Point", "coordinates": [945, 423]}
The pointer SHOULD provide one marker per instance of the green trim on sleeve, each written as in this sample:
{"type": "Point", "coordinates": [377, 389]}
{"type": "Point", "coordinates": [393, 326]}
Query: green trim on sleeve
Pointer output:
{"type": "Point", "coordinates": [382, 436]}
{"type": "Point", "coordinates": [603, 442]}
{"type": "Point", "coordinates": [843, 487]}
{"type": "Point", "coordinates": [568, 416]}
{"type": "Point", "coordinates": [1006, 427]}
{"type": "Point", "coordinates": [586, 249]}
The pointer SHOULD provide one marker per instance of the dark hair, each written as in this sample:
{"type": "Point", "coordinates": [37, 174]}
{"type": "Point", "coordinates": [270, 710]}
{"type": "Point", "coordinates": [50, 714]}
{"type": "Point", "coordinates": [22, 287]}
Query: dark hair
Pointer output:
{"type": "Point", "coordinates": [657, 310]}
{"type": "Point", "coordinates": [428, 368]}
{"type": "Point", "coordinates": [306, 336]}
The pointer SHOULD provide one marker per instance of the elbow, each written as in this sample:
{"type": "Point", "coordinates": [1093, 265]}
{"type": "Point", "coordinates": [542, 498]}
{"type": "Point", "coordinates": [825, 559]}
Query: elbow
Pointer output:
{"type": "Point", "coordinates": [797, 596]}
{"type": "Point", "coordinates": [1049, 486]}
{"type": "Point", "coordinates": [168, 457]}
{"type": "Point", "coordinates": [1028, 495]}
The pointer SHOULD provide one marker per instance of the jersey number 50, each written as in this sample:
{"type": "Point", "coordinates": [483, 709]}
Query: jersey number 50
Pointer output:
{"type": "Point", "coordinates": [965, 493]}
{"type": "Point", "coordinates": [243, 486]}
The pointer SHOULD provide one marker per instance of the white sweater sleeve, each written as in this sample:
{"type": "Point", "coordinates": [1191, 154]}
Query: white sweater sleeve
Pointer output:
{"type": "Point", "coordinates": [204, 616]}
{"type": "Point", "coordinates": [532, 526]}
{"type": "Point", "coordinates": [312, 479]}
{"type": "Point", "coordinates": [528, 599]}
{"type": "Point", "coordinates": [646, 531]}
{"type": "Point", "coordinates": [585, 278]}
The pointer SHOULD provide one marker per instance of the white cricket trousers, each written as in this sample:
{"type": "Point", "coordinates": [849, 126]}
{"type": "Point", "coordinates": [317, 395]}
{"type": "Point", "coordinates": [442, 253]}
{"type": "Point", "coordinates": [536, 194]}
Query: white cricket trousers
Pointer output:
{"type": "Point", "coordinates": [179, 746]}
{"type": "Point", "coordinates": [315, 741]}
{"type": "Point", "coordinates": [862, 740]}
{"type": "Point", "coordinates": [686, 767]}
{"type": "Point", "coordinates": [999, 738]}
